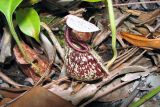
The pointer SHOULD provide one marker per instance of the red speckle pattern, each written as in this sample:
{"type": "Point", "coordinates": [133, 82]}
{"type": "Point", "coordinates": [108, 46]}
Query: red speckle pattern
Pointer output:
{"type": "Point", "coordinates": [82, 65]}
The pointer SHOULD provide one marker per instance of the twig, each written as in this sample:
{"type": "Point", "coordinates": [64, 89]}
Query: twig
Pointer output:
{"type": "Point", "coordinates": [126, 58]}
{"type": "Point", "coordinates": [99, 38]}
{"type": "Point", "coordinates": [124, 55]}
{"type": "Point", "coordinates": [44, 74]}
{"type": "Point", "coordinates": [54, 40]}
{"type": "Point", "coordinates": [144, 2]}
{"type": "Point", "coordinates": [137, 57]}
{"type": "Point", "coordinates": [8, 80]}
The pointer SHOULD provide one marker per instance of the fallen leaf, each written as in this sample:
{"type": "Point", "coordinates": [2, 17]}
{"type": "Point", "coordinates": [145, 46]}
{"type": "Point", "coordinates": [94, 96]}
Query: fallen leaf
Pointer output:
{"type": "Point", "coordinates": [135, 12]}
{"type": "Point", "coordinates": [6, 46]}
{"type": "Point", "coordinates": [142, 30]}
{"type": "Point", "coordinates": [80, 24]}
{"type": "Point", "coordinates": [5, 100]}
{"type": "Point", "coordinates": [40, 62]}
{"type": "Point", "coordinates": [86, 92]}
{"type": "Point", "coordinates": [101, 36]}
{"type": "Point", "coordinates": [40, 97]}
{"type": "Point", "coordinates": [141, 41]}
{"type": "Point", "coordinates": [134, 76]}
{"type": "Point", "coordinates": [115, 95]}
{"type": "Point", "coordinates": [12, 92]}
{"type": "Point", "coordinates": [149, 17]}
{"type": "Point", "coordinates": [49, 48]}
{"type": "Point", "coordinates": [153, 80]}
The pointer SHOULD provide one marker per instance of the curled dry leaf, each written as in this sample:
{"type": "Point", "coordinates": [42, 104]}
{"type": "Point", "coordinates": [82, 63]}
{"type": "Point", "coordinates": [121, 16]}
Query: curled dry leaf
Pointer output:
{"type": "Point", "coordinates": [140, 41]}
{"type": "Point", "coordinates": [6, 46]}
{"type": "Point", "coordinates": [49, 48]}
{"type": "Point", "coordinates": [29, 70]}
{"type": "Point", "coordinates": [40, 97]}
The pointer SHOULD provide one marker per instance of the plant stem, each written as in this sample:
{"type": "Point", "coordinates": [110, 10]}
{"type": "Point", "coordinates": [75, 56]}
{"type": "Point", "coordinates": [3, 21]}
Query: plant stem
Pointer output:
{"type": "Point", "coordinates": [15, 36]}
{"type": "Point", "coordinates": [146, 97]}
{"type": "Point", "coordinates": [108, 3]}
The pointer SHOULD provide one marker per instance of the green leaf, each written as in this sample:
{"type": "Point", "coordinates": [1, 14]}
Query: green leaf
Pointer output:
{"type": "Point", "coordinates": [146, 97]}
{"type": "Point", "coordinates": [32, 1]}
{"type": "Point", "coordinates": [109, 4]}
{"type": "Point", "coordinates": [7, 7]}
{"type": "Point", "coordinates": [29, 22]}
{"type": "Point", "coordinates": [92, 1]}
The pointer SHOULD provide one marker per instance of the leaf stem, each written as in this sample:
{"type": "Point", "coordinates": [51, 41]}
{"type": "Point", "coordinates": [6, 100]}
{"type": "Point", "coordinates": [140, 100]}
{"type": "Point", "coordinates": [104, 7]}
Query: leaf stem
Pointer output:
{"type": "Point", "coordinates": [15, 36]}
{"type": "Point", "coordinates": [108, 3]}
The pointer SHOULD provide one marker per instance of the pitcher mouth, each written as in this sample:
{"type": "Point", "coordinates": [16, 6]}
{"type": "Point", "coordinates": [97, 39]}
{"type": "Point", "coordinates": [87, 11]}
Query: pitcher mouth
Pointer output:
{"type": "Point", "coordinates": [81, 46]}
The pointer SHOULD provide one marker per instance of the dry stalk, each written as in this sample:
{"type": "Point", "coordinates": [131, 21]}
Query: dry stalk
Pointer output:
{"type": "Point", "coordinates": [54, 40]}
{"type": "Point", "coordinates": [103, 35]}
{"type": "Point", "coordinates": [129, 55]}
{"type": "Point", "coordinates": [144, 2]}
{"type": "Point", "coordinates": [10, 81]}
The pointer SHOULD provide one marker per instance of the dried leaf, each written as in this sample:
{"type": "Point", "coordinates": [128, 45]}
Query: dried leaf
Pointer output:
{"type": "Point", "coordinates": [100, 37]}
{"type": "Point", "coordinates": [40, 97]}
{"type": "Point", "coordinates": [6, 46]}
{"type": "Point", "coordinates": [12, 92]}
{"type": "Point", "coordinates": [86, 92]}
{"type": "Point", "coordinates": [5, 100]}
{"type": "Point", "coordinates": [49, 48]}
{"type": "Point", "coordinates": [118, 94]}
{"type": "Point", "coordinates": [135, 12]}
{"type": "Point", "coordinates": [80, 24]}
{"type": "Point", "coordinates": [140, 41]}
{"type": "Point", "coordinates": [104, 34]}
{"type": "Point", "coordinates": [40, 62]}
{"type": "Point", "coordinates": [142, 30]}
{"type": "Point", "coordinates": [134, 76]}
{"type": "Point", "coordinates": [149, 17]}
